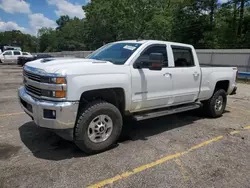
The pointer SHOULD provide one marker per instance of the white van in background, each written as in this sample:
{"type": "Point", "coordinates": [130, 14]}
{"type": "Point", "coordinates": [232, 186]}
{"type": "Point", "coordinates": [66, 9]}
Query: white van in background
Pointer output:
{"type": "Point", "coordinates": [11, 56]}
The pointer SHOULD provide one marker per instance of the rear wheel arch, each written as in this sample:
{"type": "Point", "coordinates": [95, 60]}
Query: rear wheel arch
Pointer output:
{"type": "Point", "coordinates": [222, 84]}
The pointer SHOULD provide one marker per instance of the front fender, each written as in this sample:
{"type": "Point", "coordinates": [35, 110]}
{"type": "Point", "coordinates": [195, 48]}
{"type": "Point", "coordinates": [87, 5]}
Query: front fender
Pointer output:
{"type": "Point", "coordinates": [82, 83]}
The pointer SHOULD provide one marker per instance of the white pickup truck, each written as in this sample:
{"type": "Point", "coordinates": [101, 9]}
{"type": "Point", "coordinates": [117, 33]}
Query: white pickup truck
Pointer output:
{"type": "Point", "coordinates": [11, 56]}
{"type": "Point", "coordinates": [85, 100]}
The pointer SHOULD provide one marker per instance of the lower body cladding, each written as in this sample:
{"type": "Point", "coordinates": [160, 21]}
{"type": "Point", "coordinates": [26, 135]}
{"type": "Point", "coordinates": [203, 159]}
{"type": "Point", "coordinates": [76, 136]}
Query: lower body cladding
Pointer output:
{"type": "Point", "coordinates": [59, 117]}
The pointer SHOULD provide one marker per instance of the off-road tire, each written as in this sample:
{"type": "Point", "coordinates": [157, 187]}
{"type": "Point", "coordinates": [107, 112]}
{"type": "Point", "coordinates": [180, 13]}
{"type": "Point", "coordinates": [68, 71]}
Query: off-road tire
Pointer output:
{"type": "Point", "coordinates": [209, 105]}
{"type": "Point", "coordinates": [86, 115]}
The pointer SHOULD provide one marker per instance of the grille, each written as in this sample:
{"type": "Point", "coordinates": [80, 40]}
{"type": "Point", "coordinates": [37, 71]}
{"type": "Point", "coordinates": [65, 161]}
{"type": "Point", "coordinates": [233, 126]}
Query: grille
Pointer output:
{"type": "Point", "coordinates": [32, 76]}
{"type": "Point", "coordinates": [33, 90]}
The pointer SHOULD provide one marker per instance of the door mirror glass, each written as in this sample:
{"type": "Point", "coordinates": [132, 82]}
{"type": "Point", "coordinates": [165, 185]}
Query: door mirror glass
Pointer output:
{"type": "Point", "coordinates": [154, 61]}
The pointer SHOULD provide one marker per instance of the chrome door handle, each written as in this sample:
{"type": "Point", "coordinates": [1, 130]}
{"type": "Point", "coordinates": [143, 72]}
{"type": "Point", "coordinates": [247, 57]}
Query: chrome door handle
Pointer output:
{"type": "Point", "coordinates": [196, 74]}
{"type": "Point", "coordinates": [167, 74]}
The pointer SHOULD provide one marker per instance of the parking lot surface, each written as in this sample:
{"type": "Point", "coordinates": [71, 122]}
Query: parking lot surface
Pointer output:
{"type": "Point", "coordinates": [184, 150]}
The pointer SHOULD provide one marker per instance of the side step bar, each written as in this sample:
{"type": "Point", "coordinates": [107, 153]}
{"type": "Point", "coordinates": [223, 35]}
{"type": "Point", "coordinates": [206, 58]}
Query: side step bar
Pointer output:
{"type": "Point", "coordinates": [168, 111]}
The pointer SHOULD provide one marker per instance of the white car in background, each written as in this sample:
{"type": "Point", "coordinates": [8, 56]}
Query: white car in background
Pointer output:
{"type": "Point", "coordinates": [11, 56]}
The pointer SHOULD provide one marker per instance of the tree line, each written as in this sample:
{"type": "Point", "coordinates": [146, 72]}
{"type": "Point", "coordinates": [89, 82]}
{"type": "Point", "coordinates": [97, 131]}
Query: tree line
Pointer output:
{"type": "Point", "coordinates": [202, 23]}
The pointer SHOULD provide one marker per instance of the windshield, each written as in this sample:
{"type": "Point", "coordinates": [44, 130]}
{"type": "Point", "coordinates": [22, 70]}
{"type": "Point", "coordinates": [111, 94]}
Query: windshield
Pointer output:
{"type": "Point", "coordinates": [117, 53]}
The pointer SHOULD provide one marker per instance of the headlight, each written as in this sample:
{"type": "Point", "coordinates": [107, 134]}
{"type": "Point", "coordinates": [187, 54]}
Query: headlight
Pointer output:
{"type": "Point", "coordinates": [57, 80]}
{"type": "Point", "coordinates": [53, 94]}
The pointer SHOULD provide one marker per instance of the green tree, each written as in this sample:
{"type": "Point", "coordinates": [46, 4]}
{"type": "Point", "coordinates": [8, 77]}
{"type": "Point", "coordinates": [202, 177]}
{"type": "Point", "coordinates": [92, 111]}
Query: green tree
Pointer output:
{"type": "Point", "coordinates": [17, 38]}
{"type": "Point", "coordinates": [62, 21]}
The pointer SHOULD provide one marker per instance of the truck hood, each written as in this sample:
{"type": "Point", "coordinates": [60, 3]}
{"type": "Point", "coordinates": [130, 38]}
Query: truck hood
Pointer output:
{"type": "Point", "coordinates": [63, 65]}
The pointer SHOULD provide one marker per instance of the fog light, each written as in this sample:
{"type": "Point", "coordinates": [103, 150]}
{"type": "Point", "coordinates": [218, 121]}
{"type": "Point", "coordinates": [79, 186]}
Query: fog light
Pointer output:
{"type": "Point", "coordinates": [49, 114]}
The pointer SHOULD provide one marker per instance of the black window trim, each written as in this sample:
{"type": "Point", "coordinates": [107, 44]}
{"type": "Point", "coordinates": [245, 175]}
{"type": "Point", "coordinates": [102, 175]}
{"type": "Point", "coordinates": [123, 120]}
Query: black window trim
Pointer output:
{"type": "Point", "coordinates": [153, 45]}
{"type": "Point", "coordinates": [16, 51]}
{"type": "Point", "coordinates": [183, 48]}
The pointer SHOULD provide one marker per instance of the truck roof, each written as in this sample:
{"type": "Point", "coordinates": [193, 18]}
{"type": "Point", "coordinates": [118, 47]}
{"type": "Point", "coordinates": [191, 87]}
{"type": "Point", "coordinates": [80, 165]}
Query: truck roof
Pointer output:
{"type": "Point", "coordinates": [154, 41]}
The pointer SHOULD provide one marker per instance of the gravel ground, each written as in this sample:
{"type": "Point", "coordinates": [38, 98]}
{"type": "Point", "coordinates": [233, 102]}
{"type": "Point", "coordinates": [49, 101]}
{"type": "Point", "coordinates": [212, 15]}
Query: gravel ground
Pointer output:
{"type": "Point", "coordinates": [185, 150]}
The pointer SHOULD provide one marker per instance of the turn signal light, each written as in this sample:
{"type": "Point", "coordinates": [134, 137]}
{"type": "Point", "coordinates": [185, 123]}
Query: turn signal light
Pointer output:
{"type": "Point", "coordinates": [60, 94]}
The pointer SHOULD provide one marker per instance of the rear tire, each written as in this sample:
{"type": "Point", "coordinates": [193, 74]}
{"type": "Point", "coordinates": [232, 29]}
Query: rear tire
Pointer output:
{"type": "Point", "coordinates": [98, 127]}
{"type": "Point", "coordinates": [215, 106]}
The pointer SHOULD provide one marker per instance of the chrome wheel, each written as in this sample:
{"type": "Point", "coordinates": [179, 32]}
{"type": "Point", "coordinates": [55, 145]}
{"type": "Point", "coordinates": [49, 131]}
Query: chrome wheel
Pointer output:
{"type": "Point", "coordinates": [100, 128]}
{"type": "Point", "coordinates": [218, 103]}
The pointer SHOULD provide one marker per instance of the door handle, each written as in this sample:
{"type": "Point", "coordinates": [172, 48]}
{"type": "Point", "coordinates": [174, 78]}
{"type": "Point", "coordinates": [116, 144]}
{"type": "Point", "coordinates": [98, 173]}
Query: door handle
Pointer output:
{"type": "Point", "coordinates": [167, 75]}
{"type": "Point", "coordinates": [196, 74]}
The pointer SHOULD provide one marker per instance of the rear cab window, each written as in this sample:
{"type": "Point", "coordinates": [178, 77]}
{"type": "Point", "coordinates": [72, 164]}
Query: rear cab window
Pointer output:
{"type": "Point", "coordinates": [183, 56]}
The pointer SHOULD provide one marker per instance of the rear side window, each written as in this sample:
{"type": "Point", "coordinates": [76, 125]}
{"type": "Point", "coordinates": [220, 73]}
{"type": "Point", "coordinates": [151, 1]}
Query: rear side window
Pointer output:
{"type": "Point", "coordinates": [157, 49]}
{"type": "Point", "coordinates": [17, 53]}
{"type": "Point", "coordinates": [183, 57]}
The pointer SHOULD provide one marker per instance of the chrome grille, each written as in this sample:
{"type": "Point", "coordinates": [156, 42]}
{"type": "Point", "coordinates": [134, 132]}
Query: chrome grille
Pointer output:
{"type": "Point", "coordinates": [33, 90]}
{"type": "Point", "coordinates": [32, 76]}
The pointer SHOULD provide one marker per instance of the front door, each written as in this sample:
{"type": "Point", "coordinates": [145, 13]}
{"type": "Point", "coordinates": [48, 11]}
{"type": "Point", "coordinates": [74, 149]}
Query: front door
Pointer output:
{"type": "Point", "coordinates": [150, 88]}
{"type": "Point", "coordinates": [7, 57]}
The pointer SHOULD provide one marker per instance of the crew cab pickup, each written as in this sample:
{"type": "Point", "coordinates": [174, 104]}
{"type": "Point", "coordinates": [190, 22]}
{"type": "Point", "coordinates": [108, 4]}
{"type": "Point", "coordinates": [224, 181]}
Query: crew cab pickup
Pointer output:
{"type": "Point", "coordinates": [86, 100]}
{"type": "Point", "coordinates": [11, 56]}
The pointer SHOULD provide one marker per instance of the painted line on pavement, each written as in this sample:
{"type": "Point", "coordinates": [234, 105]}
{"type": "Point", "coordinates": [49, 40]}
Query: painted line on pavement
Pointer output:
{"type": "Point", "coordinates": [12, 114]}
{"type": "Point", "coordinates": [183, 170]}
{"type": "Point", "coordinates": [153, 164]}
{"type": "Point", "coordinates": [160, 161]}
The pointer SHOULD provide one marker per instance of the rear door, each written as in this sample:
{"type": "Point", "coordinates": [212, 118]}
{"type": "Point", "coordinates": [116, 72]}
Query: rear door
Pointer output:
{"type": "Point", "coordinates": [16, 54]}
{"type": "Point", "coordinates": [186, 75]}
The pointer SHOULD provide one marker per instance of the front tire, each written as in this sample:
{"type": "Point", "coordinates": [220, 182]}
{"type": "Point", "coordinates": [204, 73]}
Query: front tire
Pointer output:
{"type": "Point", "coordinates": [98, 127]}
{"type": "Point", "coordinates": [216, 105]}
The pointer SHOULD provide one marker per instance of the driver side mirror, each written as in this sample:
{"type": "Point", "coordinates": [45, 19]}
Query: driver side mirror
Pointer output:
{"type": "Point", "coordinates": [153, 62]}
{"type": "Point", "coordinates": [156, 61]}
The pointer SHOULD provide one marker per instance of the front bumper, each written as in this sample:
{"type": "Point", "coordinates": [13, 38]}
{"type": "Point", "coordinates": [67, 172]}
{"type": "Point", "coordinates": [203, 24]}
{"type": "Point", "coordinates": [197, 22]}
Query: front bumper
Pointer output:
{"type": "Point", "coordinates": [66, 112]}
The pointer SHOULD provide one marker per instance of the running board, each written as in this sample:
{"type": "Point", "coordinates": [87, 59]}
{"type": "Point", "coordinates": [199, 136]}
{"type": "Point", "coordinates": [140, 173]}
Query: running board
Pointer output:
{"type": "Point", "coordinates": [164, 112]}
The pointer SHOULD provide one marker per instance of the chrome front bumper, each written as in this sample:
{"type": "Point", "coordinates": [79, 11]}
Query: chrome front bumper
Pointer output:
{"type": "Point", "coordinates": [66, 112]}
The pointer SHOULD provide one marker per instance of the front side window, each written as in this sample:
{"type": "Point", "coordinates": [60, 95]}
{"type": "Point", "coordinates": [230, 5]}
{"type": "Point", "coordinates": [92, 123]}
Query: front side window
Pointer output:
{"type": "Point", "coordinates": [7, 53]}
{"type": "Point", "coordinates": [17, 53]}
{"type": "Point", "coordinates": [156, 49]}
{"type": "Point", "coordinates": [183, 57]}
{"type": "Point", "coordinates": [117, 53]}
{"type": "Point", "coordinates": [25, 53]}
